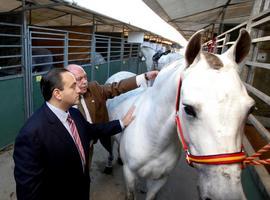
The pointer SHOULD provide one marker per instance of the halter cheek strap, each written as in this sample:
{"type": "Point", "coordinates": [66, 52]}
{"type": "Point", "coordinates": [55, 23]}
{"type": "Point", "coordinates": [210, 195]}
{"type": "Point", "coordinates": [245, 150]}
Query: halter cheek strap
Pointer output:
{"type": "Point", "coordinates": [217, 159]}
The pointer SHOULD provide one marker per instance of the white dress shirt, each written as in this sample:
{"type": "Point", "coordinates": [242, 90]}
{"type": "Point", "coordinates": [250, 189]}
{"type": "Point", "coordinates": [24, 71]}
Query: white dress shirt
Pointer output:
{"type": "Point", "coordinates": [85, 109]}
{"type": "Point", "coordinates": [141, 81]}
{"type": "Point", "coordinates": [61, 115]}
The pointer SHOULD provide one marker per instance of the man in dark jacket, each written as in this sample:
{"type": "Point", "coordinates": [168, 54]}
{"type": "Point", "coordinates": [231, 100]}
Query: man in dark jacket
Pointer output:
{"type": "Point", "coordinates": [51, 150]}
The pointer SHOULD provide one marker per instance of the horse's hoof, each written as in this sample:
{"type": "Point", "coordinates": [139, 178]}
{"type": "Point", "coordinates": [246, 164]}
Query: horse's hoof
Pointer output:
{"type": "Point", "coordinates": [119, 161]}
{"type": "Point", "coordinates": [108, 170]}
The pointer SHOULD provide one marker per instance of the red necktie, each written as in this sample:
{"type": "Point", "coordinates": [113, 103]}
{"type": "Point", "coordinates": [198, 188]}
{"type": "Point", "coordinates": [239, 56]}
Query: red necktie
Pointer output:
{"type": "Point", "coordinates": [76, 138]}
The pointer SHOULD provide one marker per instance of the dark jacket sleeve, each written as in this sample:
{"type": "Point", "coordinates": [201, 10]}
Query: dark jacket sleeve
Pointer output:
{"type": "Point", "coordinates": [100, 130]}
{"type": "Point", "coordinates": [28, 170]}
{"type": "Point", "coordinates": [116, 88]}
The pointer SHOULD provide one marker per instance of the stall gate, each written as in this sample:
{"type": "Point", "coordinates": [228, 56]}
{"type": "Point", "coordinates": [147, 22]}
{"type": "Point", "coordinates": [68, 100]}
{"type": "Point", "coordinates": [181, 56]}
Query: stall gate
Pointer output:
{"type": "Point", "coordinates": [12, 101]}
{"type": "Point", "coordinates": [255, 73]}
{"type": "Point", "coordinates": [44, 48]}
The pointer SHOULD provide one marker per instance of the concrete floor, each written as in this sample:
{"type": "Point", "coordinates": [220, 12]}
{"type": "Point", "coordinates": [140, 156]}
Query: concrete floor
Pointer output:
{"type": "Point", "coordinates": [181, 183]}
{"type": "Point", "coordinates": [7, 182]}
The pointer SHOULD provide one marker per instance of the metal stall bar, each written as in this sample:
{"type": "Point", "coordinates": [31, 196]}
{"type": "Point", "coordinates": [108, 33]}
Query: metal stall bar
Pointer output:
{"type": "Point", "coordinates": [93, 46]}
{"type": "Point", "coordinates": [47, 49]}
{"type": "Point", "coordinates": [223, 40]}
{"type": "Point", "coordinates": [109, 57]}
{"type": "Point", "coordinates": [122, 51]}
{"type": "Point", "coordinates": [12, 81]}
{"type": "Point", "coordinates": [102, 58]}
{"type": "Point", "coordinates": [9, 50]}
{"type": "Point", "coordinates": [256, 67]}
{"type": "Point", "coordinates": [254, 73]}
{"type": "Point", "coordinates": [79, 49]}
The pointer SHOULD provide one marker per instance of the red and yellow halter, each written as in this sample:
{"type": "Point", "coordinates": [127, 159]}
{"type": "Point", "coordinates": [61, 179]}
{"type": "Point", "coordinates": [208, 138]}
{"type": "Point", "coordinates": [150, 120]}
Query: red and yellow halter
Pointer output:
{"type": "Point", "coordinates": [217, 159]}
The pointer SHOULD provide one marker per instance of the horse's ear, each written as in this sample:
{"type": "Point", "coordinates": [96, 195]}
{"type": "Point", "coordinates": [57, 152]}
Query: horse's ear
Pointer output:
{"type": "Point", "coordinates": [241, 47]}
{"type": "Point", "coordinates": [193, 47]}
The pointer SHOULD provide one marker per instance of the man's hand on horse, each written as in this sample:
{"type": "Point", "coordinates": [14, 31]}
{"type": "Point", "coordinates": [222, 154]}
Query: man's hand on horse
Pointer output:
{"type": "Point", "coordinates": [128, 118]}
{"type": "Point", "coordinates": [151, 75]}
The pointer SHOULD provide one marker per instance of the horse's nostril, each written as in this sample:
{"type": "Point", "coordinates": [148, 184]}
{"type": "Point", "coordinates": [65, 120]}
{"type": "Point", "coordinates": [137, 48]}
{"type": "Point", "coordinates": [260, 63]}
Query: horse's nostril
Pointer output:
{"type": "Point", "coordinates": [207, 198]}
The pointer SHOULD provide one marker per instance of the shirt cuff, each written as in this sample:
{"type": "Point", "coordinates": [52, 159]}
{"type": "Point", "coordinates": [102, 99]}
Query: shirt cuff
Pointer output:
{"type": "Point", "coordinates": [140, 80]}
{"type": "Point", "coordinates": [121, 124]}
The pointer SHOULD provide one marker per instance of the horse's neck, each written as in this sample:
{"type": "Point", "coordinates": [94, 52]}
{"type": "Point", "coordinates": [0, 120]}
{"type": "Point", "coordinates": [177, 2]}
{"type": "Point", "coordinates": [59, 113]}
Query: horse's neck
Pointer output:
{"type": "Point", "coordinates": [157, 112]}
{"type": "Point", "coordinates": [166, 84]}
{"type": "Point", "coordinates": [162, 95]}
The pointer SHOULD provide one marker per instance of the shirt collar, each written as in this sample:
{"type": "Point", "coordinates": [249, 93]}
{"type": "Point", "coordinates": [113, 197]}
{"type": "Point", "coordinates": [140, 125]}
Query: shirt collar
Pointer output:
{"type": "Point", "coordinates": [62, 115]}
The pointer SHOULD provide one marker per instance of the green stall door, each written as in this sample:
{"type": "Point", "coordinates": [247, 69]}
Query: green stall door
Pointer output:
{"type": "Point", "coordinates": [37, 96]}
{"type": "Point", "coordinates": [115, 67]}
{"type": "Point", "coordinates": [133, 65]}
{"type": "Point", "coordinates": [142, 67]}
{"type": "Point", "coordinates": [12, 109]}
{"type": "Point", "coordinates": [101, 73]}
{"type": "Point", "coordinates": [250, 187]}
{"type": "Point", "coordinates": [125, 65]}
{"type": "Point", "coordinates": [88, 72]}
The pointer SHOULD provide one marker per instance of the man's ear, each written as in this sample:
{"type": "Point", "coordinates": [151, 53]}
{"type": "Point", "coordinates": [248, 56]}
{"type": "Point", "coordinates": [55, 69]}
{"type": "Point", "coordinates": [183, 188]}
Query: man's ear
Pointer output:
{"type": "Point", "coordinates": [57, 94]}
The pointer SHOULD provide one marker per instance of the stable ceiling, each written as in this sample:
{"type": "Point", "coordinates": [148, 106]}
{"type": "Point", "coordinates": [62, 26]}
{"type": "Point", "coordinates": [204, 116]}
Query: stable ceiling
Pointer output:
{"type": "Point", "coordinates": [63, 13]}
{"type": "Point", "coordinates": [189, 16]}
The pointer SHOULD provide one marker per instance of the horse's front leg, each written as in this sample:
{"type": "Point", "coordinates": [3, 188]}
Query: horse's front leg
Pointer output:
{"type": "Point", "coordinates": [130, 179]}
{"type": "Point", "coordinates": [153, 186]}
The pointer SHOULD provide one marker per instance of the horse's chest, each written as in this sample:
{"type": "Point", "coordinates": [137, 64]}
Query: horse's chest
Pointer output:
{"type": "Point", "coordinates": [159, 165]}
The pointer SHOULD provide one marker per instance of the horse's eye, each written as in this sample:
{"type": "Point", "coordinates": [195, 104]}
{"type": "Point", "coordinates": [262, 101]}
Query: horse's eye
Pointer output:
{"type": "Point", "coordinates": [190, 110]}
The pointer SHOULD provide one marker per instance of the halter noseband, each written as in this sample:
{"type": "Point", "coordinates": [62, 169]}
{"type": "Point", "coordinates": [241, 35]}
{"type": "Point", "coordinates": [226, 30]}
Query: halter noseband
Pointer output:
{"type": "Point", "coordinates": [217, 159]}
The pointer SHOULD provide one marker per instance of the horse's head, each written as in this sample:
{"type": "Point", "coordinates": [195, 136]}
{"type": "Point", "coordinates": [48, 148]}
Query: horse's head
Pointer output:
{"type": "Point", "coordinates": [147, 53]}
{"type": "Point", "coordinates": [213, 108]}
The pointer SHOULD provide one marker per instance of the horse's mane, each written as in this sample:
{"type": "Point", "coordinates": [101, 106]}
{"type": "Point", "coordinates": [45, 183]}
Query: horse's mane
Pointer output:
{"type": "Point", "coordinates": [167, 72]}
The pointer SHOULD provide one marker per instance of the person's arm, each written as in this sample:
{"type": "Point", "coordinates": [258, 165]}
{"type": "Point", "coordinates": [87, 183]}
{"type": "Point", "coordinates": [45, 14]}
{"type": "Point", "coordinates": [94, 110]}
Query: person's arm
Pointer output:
{"type": "Point", "coordinates": [143, 78]}
{"type": "Point", "coordinates": [116, 88]}
{"type": "Point", "coordinates": [99, 130]}
{"type": "Point", "coordinates": [28, 169]}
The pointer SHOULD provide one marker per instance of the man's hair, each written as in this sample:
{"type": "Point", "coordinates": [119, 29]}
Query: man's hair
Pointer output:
{"type": "Point", "coordinates": [50, 81]}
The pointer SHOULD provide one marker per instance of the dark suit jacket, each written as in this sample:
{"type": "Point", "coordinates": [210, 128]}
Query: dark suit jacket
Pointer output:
{"type": "Point", "coordinates": [47, 162]}
{"type": "Point", "coordinates": [96, 97]}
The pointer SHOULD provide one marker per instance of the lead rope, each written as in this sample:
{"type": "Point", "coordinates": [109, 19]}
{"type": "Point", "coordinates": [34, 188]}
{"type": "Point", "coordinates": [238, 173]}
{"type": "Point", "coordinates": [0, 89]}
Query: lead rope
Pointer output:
{"type": "Point", "coordinates": [251, 159]}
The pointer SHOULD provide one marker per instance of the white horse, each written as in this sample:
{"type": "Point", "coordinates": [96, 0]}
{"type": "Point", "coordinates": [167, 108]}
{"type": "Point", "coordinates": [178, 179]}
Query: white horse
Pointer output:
{"type": "Point", "coordinates": [213, 107]}
{"type": "Point", "coordinates": [147, 53]}
{"type": "Point", "coordinates": [165, 60]}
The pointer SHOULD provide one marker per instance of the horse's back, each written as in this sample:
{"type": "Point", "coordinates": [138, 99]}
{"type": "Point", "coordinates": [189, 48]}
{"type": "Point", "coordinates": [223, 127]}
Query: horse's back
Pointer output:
{"type": "Point", "coordinates": [120, 76]}
{"type": "Point", "coordinates": [119, 105]}
{"type": "Point", "coordinates": [168, 59]}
